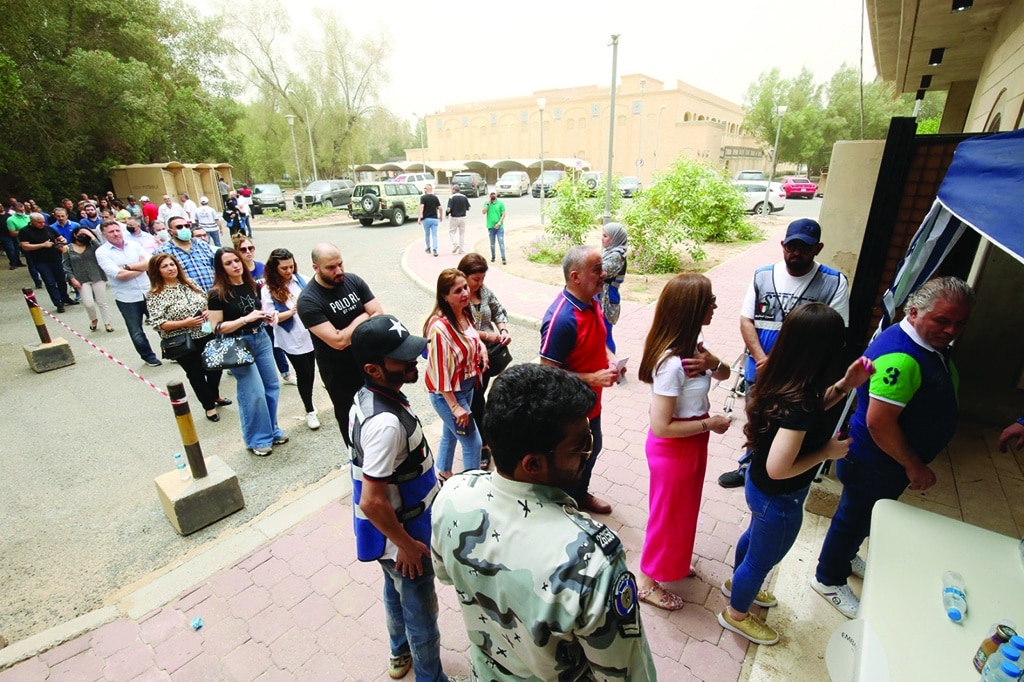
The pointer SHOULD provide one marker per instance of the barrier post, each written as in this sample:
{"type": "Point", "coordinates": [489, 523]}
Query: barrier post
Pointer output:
{"type": "Point", "coordinates": [187, 428]}
{"type": "Point", "coordinates": [37, 315]}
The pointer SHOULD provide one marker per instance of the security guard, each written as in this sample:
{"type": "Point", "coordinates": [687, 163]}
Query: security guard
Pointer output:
{"type": "Point", "coordinates": [544, 589]}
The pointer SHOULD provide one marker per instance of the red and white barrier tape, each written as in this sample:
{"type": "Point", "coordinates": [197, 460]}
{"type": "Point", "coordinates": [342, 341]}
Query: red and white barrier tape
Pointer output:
{"type": "Point", "coordinates": [102, 352]}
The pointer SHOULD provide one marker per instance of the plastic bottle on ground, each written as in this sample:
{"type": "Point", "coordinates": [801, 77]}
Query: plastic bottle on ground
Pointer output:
{"type": "Point", "coordinates": [179, 464]}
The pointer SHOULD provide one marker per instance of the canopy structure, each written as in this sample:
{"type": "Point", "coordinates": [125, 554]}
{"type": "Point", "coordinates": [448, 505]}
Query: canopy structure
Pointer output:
{"type": "Point", "coordinates": [981, 191]}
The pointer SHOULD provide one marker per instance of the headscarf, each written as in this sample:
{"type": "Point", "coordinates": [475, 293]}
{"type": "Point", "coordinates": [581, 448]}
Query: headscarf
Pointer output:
{"type": "Point", "coordinates": [617, 236]}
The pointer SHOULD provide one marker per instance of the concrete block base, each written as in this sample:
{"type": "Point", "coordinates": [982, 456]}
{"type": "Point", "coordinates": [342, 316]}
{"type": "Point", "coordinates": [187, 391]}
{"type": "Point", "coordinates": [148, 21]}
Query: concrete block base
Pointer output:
{"type": "Point", "coordinates": [194, 504]}
{"type": "Point", "coordinates": [42, 357]}
{"type": "Point", "coordinates": [823, 499]}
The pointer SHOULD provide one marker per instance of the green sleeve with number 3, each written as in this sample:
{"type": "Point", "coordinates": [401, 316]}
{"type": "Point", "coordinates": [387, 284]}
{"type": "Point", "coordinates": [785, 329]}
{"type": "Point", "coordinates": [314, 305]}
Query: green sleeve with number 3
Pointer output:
{"type": "Point", "coordinates": [896, 379]}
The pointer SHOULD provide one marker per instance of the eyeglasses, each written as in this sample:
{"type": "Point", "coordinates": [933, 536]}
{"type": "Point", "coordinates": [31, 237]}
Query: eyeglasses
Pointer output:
{"type": "Point", "coordinates": [586, 453]}
{"type": "Point", "coordinates": [247, 249]}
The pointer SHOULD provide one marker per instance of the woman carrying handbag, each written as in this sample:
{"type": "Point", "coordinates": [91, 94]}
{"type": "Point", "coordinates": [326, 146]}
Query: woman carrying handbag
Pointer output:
{"type": "Point", "coordinates": [235, 310]}
{"type": "Point", "coordinates": [177, 310]}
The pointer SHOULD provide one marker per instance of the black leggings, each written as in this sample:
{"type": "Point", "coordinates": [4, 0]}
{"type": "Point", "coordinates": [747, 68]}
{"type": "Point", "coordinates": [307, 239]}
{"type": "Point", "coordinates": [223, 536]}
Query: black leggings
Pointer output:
{"type": "Point", "coordinates": [304, 373]}
{"type": "Point", "coordinates": [205, 384]}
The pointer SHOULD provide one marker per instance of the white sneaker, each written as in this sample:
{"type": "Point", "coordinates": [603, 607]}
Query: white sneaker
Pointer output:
{"type": "Point", "coordinates": [289, 379]}
{"type": "Point", "coordinates": [312, 422]}
{"type": "Point", "coordinates": [858, 566]}
{"type": "Point", "coordinates": [839, 596]}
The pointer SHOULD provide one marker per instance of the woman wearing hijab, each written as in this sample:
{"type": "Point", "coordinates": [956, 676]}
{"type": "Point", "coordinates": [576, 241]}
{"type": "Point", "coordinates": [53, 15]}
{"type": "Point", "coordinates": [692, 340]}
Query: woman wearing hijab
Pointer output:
{"type": "Point", "coordinates": [613, 262]}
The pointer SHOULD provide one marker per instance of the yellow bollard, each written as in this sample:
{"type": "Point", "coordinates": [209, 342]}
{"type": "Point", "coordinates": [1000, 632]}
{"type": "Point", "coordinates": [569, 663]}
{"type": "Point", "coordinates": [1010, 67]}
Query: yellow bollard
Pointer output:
{"type": "Point", "coordinates": [37, 315]}
{"type": "Point", "coordinates": [187, 428]}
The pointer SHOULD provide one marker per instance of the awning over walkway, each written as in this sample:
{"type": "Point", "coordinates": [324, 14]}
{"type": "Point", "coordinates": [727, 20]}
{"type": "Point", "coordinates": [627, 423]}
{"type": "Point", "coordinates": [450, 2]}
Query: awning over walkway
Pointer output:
{"type": "Point", "coordinates": [982, 190]}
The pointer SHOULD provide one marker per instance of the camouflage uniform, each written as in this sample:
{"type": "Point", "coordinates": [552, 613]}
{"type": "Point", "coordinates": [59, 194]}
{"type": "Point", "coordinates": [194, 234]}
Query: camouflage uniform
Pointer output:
{"type": "Point", "coordinates": [544, 590]}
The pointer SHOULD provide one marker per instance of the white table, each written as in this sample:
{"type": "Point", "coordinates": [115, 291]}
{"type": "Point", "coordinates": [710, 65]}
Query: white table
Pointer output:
{"type": "Point", "coordinates": [901, 603]}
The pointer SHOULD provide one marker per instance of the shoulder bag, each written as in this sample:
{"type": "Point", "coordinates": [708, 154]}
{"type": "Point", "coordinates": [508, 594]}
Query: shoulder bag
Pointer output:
{"type": "Point", "coordinates": [227, 352]}
{"type": "Point", "coordinates": [177, 346]}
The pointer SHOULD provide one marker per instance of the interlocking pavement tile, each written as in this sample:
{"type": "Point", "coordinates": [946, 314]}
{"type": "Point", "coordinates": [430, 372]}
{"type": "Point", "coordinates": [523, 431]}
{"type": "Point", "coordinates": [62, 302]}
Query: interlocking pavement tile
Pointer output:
{"type": "Point", "coordinates": [663, 633]}
{"type": "Point", "coordinates": [221, 636]}
{"type": "Point", "coordinates": [367, 573]}
{"type": "Point", "coordinates": [342, 552]}
{"type": "Point", "coordinates": [256, 558]}
{"type": "Point", "coordinates": [453, 629]}
{"type": "Point", "coordinates": [675, 671]}
{"type": "Point", "coordinates": [322, 537]}
{"type": "Point", "coordinates": [270, 623]}
{"type": "Point", "coordinates": [112, 637]}
{"type": "Point", "coordinates": [313, 611]}
{"type": "Point", "coordinates": [367, 659]}
{"type": "Point", "coordinates": [276, 675]}
{"type": "Point", "coordinates": [31, 670]}
{"type": "Point", "coordinates": [708, 662]}
{"type": "Point", "coordinates": [84, 666]}
{"type": "Point", "coordinates": [160, 625]}
{"type": "Point", "coordinates": [712, 547]}
{"type": "Point", "coordinates": [247, 662]}
{"type": "Point", "coordinates": [129, 662]}
{"type": "Point", "coordinates": [196, 595]}
{"type": "Point", "coordinates": [338, 634]}
{"type": "Point", "coordinates": [157, 675]}
{"type": "Point", "coordinates": [65, 651]}
{"type": "Point", "coordinates": [230, 582]}
{"type": "Point", "coordinates": [270, 572]}
{"type": "Point", "coordinates": [289, 546]}
{"type": "Point", "coordinates": [309, 562]}
{"type": "Point", "coordinates": [329, 580]}
{"type": "Point", "coordinates": [700, 623]}
{"type": "Point", "coordinates": [624, 494]}
{"type": "Point", "coordinates": [249, 602]}
{"type": "Point", "coordinates": [290, 591]}
{"type": "Point", "coordinates": [322, 666]}
{"type": "Point", "coordinates": [178, 650]}
{"type": "Point", "coordinates": [292, 649]}
{"type": "Point", "coordinates": [736, 647]}
{"type": "Point", "coordinates": [722, 511]}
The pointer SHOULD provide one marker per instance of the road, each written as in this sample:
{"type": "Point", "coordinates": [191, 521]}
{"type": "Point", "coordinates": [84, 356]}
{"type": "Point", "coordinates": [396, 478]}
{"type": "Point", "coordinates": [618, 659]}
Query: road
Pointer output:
{"type": "Point", "coordinates": [81, 445]}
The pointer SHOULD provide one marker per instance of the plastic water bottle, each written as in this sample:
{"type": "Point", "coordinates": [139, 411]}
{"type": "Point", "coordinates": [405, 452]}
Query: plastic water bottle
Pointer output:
{"type": "Point", "coordinates": [954, 596]}
{"type": "Point", "coordinates": [179, 464]}
{"type": "Point", "coordinates": [1007, 653]}
{"type": "Point", "coordinates": [1007, 672]}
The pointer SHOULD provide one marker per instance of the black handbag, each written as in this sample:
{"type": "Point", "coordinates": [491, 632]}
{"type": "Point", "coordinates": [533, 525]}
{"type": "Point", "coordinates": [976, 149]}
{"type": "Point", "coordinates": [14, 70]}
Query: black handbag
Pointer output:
{"type": "Point", "coordinates": [177, 346]}
{"type": "Point", "coordinates": [500, 357]}
{"type": "Point", "coordinates": [227, 352]}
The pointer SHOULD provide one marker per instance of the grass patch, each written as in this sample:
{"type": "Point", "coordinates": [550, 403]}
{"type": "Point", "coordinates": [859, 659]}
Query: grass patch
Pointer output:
{"type": "Point", "coordinates": [301, 215]}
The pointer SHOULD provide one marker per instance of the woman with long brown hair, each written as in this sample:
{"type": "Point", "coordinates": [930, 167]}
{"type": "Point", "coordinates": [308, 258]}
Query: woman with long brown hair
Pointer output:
{"type": "Point", "coordinates": [679, 369]}
{"type": "Point", "coordinates": [456, 357]}
{"type": "Point", "coordinates": [788, 435]}
{"type": "Point", "coordinates": [236, 310]}
{"type": "Point", "coordinates": [177, 306]}
{"type": "Point", "coordinates": [258, 270]}
{"type": "Point", "coordinates": [280, 294]}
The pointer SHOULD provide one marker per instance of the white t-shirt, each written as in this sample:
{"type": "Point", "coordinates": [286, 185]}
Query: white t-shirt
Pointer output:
{"type": "Point", "coordinates": [295, 341]}
{"type": "Point", "coordinates": [243, 204]}
{"type": "Point", "coordinates": [384, 450]}
{"type": "Point", "coordinates": [691, 393]}
{"type": "Point", "coordinates": [786, 283]}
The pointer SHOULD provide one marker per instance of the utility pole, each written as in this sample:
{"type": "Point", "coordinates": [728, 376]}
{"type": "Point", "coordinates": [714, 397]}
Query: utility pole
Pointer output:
{"type": "Point", "coordinates": [607, 218]}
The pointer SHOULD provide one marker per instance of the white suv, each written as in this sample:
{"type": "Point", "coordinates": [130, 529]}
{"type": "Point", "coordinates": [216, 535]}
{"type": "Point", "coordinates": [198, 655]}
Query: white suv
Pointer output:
{"type": "Point", "coordinates": [418, 179]}
{"type": "Point", "coordinates": [513, 183]}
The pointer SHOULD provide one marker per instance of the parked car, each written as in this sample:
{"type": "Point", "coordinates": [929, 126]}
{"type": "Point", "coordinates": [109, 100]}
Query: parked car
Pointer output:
{"type": "Point", "coordinates": [751, 175]}
{"type": "Point", "coordinates": [592, 179]}
{"type": "Point", "coordinates": [420, 179]}
{"type": "Point", "coordinates": [323, 192]}
{"type": "Point", "coordinates": [470, 183]}
{"type": "Point", "coordinates": [798, 186]}
{"type": "Point", "coordinates": [549, 179]}
{"type": "Point", "coordinates": [513, 183]}
{"type": "Point", "coordinates": [393, 201]}
{"type": "Point", "coordinates": [753, 193]}
{"type": "Point", "coordinates": [267, 197]}
{"type": "Point", "coordinates": [630, 185]}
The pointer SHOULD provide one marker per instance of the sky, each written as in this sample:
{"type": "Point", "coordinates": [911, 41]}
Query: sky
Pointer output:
{"type": "Point", "coordinates": [468, 52]}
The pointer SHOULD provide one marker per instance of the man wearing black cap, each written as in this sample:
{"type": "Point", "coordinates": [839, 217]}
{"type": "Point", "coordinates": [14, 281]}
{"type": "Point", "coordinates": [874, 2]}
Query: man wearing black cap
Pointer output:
{"type": "Point", "coordinates": [393, 486]}
{"type": "Point", "coordinates": [775, 291]}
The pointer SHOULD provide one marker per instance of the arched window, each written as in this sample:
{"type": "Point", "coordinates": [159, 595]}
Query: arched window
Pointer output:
{"type": "Point", "coordinates": [583, 124]}
{"type": "Point", "coordinates": [994, 117]}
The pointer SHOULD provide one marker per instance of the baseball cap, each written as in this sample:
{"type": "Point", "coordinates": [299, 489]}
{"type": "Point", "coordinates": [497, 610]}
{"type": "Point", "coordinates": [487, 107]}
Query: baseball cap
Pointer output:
{"type": "Point", "coordinates": [131, 197]}
{"type": "Point", "coordinates": [203, 200]}
{"type": "Point", "coordinates": [385, 335]}
{"type": "Point", "coordinates": [143, 198]}
{"type": "Point", "coordinates": [805, 230]}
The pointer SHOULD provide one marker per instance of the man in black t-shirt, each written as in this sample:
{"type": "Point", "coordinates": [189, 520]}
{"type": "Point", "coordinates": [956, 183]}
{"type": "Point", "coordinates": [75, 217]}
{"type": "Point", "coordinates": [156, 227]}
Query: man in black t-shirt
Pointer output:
{"type": "Point", "coordinates": [430, 212]}
{"type": "Point", "coordinates": [458, 206]}
{"type": "Point", "coordinates": [46, 247]}
{"type": "Point", "coordinates": [331, 306]}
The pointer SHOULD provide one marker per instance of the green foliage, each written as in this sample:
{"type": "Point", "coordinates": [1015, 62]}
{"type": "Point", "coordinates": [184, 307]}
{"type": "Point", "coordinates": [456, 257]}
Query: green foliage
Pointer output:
{"type": "Point", "coordinates": [301, 215]}
{"type": "Point", "coordinates": [928, 126]}
{"type": "Point", "coordinates": [573, 212]}
{"type": "Point", "coordinates": [690, 205]}
{"type": "Point", "coordinates": [546, 250]}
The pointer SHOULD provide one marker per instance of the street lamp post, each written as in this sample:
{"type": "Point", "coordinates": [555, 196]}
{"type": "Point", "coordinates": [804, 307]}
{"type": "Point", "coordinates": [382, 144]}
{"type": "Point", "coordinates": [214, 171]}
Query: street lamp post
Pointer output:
{"type": "Point", "coordinates": [657, 137]}
{"type": "Point", "coordinates": [607, 218]}
{"type": "Point", "coordinates": [423, 150]}
{"type": "Point", "coordinates": [640, 135]}
{"type": "Point", "coordinates": [309, 132]}
{"type": "Point", "coordinates": [541, 101]}
{"type": "Point", "coordinates": [295, 149]}
{"type": "Point", "coordinates": [781, 109]}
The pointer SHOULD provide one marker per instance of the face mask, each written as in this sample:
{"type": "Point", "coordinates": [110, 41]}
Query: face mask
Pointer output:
{"type": "Point", "coordinates": [184, 235]}
{"type": "Point", "coordinates": [84, 239]}
{"type": "Point", "coordinates": [163, 235]}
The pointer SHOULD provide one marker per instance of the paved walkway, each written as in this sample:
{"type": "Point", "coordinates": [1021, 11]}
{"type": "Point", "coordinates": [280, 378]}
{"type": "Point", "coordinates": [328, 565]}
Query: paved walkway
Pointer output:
{"type": "Point", "coordinates": [286, 599]}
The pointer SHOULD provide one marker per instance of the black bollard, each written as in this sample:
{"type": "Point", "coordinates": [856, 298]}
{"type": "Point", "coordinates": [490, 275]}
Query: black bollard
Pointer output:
{"type": "Point", "coordinates": [187, 428]}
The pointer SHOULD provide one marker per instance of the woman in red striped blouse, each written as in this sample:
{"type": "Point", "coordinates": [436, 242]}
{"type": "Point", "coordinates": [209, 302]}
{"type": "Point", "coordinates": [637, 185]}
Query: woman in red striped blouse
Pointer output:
{"type": "Point", "coordinates": [456, 357]}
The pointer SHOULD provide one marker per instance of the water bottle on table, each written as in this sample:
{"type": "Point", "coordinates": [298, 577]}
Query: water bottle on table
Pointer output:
{"type": "Point", "coordinates": [954, 596]}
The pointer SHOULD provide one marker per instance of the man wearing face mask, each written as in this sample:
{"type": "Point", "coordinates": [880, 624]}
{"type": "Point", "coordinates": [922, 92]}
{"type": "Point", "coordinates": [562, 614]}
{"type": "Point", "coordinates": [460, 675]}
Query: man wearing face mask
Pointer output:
{"type": "Point", "coordinates": [136, 234]}
{"type": "Point", "coordinates": [195, 256]}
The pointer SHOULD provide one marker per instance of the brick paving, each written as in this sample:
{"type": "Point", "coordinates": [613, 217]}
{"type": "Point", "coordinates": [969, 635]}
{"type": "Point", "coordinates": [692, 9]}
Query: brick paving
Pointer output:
{"type": "Point", "coordinates": [301, 607]}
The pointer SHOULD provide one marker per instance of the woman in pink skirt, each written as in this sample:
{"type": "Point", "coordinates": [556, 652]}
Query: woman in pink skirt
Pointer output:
{"type": "Point", "coordinates": [680, 370]}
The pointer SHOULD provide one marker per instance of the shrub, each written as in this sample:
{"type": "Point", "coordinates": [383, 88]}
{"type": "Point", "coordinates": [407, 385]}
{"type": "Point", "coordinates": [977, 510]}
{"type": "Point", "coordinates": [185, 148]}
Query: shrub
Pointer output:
{"type": "Point", "coordinates": [576, 209]}
{"type": "Point", "coordinates": [546, 250]}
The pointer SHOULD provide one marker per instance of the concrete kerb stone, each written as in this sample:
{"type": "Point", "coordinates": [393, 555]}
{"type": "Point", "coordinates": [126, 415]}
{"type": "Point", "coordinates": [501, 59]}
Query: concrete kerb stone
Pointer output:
{"type": "Point", "coordinates": [172, 582]}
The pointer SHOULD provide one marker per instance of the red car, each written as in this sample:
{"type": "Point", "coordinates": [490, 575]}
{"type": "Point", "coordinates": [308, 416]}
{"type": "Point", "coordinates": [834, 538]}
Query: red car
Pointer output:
{"type": "Point", "coordinates": [798, 186]}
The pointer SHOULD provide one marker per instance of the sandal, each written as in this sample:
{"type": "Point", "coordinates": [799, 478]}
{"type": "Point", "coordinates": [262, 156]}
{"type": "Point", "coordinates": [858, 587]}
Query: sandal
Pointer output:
{"type": "Point", "coordinates": [108, 328]}
{"type": "Point", "coordinates": [93, 325]}
{"type": "Point", "coordinates": [661, 598]}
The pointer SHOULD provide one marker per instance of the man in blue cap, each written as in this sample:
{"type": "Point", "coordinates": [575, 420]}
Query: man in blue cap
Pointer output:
{"type": "Point", "coordinates": [774, 292]}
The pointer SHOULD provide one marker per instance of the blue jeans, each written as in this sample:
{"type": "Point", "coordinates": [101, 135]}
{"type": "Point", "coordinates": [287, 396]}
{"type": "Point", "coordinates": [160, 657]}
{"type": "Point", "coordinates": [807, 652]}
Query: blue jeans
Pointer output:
{"type": "Point", "coordinates": [53, 279]}
{"type": "Point", "coordinates": [410, 607]}
{"type": "Point", "coordinates": [430, 233]}
{"type": "Point", "coordinates": [214, 233]}
{"type": "Point", "coordinates": [471, 442]}
{"type": "Point", "coordinates": [246, 224]}
{"type": "Point", "coordinates": [258, 391]}
{"type": "Point", "coordinates": [11, 247]}
{"type": "Point", "coordinates": [280, 358]}
{"type": "Point", "coordinates": [863, 485]}
{"type": "Point", "coordinates": [500, 235]}
{"type": "Point", "coordinates": [774, 524]}
{"type": "Point", "coordinates": [133, 312]}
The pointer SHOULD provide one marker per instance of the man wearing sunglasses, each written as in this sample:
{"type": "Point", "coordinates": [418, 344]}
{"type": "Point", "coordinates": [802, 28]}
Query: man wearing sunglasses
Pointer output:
{"type": "Point", "coordinates": [773, 294]}
{"type": "Point", "coordinates": [542, 586]}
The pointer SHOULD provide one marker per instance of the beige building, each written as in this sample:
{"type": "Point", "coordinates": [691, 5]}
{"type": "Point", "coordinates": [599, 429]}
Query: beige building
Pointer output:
{"type": "Point", "coordinates": [653, 124]}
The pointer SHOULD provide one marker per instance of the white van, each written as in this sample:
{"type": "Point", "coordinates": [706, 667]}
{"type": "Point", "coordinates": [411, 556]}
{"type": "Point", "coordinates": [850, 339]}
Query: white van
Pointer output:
{"type": "Point", "coordinates": [513, 183]}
